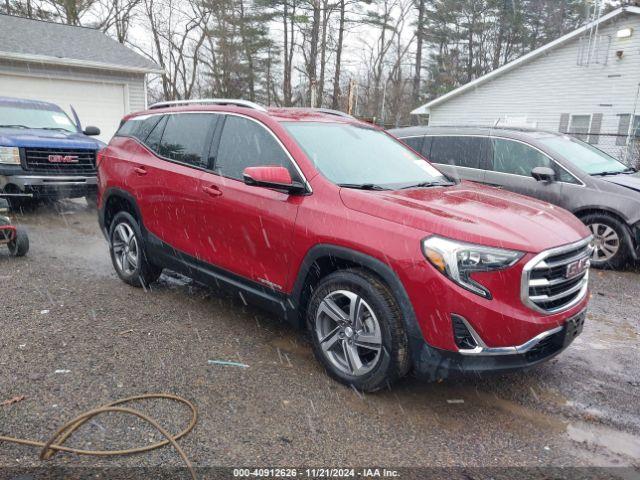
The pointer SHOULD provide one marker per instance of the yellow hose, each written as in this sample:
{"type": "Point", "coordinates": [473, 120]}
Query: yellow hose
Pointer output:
{"type": "Point", "coordinates": [56, 442]}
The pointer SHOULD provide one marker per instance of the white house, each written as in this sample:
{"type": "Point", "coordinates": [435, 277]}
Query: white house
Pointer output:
{"type": "Point", "coordinates": [586, 83]}
{"type": "Point", "coordinates": [101, 78]}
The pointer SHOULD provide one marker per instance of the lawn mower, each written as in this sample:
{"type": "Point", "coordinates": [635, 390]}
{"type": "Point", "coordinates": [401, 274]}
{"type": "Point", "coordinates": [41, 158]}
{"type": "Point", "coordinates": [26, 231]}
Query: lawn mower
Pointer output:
{"type": "Point", "coordinates": [15, 238]}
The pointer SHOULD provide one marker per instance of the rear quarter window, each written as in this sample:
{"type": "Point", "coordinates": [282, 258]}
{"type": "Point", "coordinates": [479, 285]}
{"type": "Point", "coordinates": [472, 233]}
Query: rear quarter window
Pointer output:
{"type": "Point", "coordinates": [138, 127]}
{"type": "Point", "coordinates": [460, 151]}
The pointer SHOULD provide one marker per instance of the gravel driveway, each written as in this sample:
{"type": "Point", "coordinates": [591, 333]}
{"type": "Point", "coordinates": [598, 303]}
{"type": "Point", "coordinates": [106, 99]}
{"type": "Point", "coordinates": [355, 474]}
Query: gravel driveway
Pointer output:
{"type": "Point", "coordinates": [75, 337]}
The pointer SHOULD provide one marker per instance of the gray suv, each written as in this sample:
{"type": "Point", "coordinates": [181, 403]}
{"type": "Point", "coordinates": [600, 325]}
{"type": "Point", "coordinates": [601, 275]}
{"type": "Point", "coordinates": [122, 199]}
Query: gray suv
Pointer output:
{"type": "Point", "coordinates": [597, 188]}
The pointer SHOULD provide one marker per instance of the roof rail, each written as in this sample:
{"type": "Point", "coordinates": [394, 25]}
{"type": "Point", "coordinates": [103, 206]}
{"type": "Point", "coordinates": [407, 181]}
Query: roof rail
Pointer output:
{"type": "Point", "coordinates": [329, 111]}
{"type": "Point", "coordinates": [210, 101]}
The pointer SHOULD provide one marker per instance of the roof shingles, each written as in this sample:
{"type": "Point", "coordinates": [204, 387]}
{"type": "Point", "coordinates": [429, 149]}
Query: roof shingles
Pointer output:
{"type": "Point", "coordinates": [57, 43]}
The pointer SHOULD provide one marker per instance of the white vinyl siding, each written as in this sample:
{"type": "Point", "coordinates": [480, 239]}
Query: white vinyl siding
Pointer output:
{"type": "Point", "coordinates": [550, 85]}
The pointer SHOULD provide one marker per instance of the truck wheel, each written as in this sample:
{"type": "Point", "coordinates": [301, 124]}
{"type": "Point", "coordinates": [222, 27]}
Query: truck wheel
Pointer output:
{"type": "Point", "coordinates": [611, 246]}
{"type": "Point", "coordinates": [357, 330]}
{"type": "Point", "coordinates": [19, 246]}
{"type": "Point", "coordinates": [127, 252]}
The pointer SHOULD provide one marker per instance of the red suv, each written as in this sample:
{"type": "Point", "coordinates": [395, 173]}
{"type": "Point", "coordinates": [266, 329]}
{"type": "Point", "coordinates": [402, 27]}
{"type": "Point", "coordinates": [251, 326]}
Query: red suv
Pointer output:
{"type": "Point", "coordinates": [346, 232]}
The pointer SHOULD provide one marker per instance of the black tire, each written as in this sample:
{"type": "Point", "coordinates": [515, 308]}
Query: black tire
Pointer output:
{"type": "Point", "coordinates": [597, 223]}
{"type": "Point", "coordinates": [393, 361]}
{"type": "Point", "coordinates": [19, 246]}
{"type": "Point", "coordinates": [143, 273]}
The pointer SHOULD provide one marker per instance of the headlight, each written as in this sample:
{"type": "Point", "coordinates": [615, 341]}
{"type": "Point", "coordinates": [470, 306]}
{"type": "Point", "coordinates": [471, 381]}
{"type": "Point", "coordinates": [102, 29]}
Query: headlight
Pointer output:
{"type": "Point", "coordinates": [10, 155]}
{"type": "Point", "coordinates": [458, 260]}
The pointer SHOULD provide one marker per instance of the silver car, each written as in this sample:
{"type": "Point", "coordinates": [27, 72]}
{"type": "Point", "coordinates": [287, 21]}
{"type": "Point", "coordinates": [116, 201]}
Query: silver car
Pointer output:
{"type": "Point", "coordinates": [601, 191]}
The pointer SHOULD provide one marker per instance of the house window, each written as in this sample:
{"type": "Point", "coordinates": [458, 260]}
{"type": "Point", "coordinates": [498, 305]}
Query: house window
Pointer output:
{"type": "Point", "coordinates": [579, 126]}
{"type": "Point", "coordinates": [635, 128]}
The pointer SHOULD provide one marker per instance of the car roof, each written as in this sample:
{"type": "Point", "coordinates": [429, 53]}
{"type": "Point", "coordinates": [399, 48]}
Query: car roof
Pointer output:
{"type": "Point", "coordinates": [279, 114]}
{"type": "Point", "coordinates": [503, 131]}
{"type": "Point", "coordinates": [23, 102]}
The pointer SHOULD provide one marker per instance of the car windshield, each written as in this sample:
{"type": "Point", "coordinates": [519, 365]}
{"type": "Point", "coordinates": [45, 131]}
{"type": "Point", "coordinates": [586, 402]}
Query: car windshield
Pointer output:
{"type": "Point", "coordinates": [362, 157]}
{"type": "Point", "coordinates": [584, 156]}
{"type": "Point", "coordinates": [34, 117]}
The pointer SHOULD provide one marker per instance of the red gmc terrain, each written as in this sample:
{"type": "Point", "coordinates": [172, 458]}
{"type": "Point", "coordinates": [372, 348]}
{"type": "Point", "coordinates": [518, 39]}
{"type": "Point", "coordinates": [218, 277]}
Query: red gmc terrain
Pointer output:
{"type": "Point", "coordinates": [346, 232]}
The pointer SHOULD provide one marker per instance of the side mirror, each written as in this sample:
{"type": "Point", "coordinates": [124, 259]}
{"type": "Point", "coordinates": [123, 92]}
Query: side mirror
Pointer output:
{"type": "Point", "coordinates": [272, 176]}
{"type": "Point", "coordinates": [543, 174]}
{"type": "Point", "coordinates": [91, 131]}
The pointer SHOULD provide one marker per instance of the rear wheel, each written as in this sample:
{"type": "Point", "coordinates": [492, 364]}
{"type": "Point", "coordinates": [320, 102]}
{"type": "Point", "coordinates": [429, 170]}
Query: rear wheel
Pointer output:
{"type": "Point", "coordinates": [357, 330]}
{"type": "Point", "coordinates": [127, 252]}
{"type": "Point", "coordinates": [19, 246]}
{"type": "Point", "coordinates": [611, 247]}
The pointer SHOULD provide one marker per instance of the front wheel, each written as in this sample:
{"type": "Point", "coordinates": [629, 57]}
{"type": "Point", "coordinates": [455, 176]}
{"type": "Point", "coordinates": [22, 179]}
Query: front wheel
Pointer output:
{"type": "Point", "coordinates": [127, 252]}
{"type": "Point", "coordinates": [357, 330]}
{"type": "Point", "coordinates": [611, 246]}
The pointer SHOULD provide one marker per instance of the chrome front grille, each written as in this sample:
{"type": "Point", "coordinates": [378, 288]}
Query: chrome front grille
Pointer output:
{"type": "Point", "coordinates": [557, 279]}
{"type": "Point", "coordinates": [65, 160]}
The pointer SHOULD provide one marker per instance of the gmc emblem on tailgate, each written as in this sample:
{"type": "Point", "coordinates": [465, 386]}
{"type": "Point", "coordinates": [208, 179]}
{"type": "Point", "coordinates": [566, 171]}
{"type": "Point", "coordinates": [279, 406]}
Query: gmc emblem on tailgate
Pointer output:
{"type": "Point", "coordinates": [63, 159]}
{"type": "Point", "coordinates": [577, 268]}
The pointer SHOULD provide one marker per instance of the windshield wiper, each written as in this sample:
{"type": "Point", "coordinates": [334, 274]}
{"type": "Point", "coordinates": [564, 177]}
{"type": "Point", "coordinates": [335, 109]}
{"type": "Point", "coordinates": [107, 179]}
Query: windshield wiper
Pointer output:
{"type": "Point", "coordinates": [54, 128]}
{"type": "Point", "coordinates": [605, 174]}
{"type": "Point", "coordinates": [428, 185]}
{"type": "Point", "coordinates": [362, 186]}
{"type": "Point", "coordinates": [14, 126]}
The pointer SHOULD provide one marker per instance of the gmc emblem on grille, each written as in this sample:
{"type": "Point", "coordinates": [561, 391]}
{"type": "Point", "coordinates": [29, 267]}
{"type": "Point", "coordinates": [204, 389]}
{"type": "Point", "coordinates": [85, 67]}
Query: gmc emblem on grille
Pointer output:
{"type": "Point", "coordinates": [577, 268]}
{"type": "Point", "coordinates": [63, 159]}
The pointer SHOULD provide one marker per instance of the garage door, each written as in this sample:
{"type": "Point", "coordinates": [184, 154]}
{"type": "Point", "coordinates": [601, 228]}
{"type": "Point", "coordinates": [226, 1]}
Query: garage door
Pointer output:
{"type": "Point", "coordinates": [98, 104]}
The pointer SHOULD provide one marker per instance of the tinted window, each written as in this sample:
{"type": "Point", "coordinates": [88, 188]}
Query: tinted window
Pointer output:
{"type": "Point", "coordinates": [244, 143]}
{"type": "Point", "coordinates": [414, 142]}
{"type": "Point", "coordinates": [468, 152]}
{"type": "Point", "coordinates": [139, 127]}
{"type": "Point", "coordinates": [426, 147]}
{"type": "Point", "coordinates": [185, 137]}
{"type": "Point", "coordinates": [517, 158]}
{"type": "Point", "coordinates": [153, 140]}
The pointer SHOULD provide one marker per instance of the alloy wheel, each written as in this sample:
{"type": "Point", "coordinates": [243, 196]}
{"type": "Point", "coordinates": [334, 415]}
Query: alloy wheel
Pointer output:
{"type": "Point", "coordinates": [606, 242]}
{"type": "Point", "coordinates": [348, 332]}
{"type": "Point", "coordinates": [125, 248]}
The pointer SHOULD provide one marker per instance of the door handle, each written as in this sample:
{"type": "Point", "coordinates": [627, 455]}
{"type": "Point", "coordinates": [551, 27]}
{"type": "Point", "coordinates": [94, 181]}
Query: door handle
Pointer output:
{"type": "Point", "coordinates": [140, 170]}
{"type": "Point", "coordinates": [212, 191]}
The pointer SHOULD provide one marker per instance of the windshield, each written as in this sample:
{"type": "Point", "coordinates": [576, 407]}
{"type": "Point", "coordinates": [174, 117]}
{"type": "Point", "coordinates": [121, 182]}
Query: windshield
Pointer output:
{"type": "Point", "coordinates": [33, 117]}
{"type": "Point", "coordinates": [353, 155]}
{"type": "Point", "coordinates": [584, 156]}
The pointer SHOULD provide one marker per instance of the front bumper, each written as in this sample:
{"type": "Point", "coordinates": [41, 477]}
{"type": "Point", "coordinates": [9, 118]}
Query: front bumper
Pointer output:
{"type": "Point", "coordinates": [51, 185]}
{"type": "Point", "coordinates": [437, 364]}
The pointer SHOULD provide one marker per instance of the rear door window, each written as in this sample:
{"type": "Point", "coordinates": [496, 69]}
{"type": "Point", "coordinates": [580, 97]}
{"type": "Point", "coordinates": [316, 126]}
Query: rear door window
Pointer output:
{"type": "Point", "coordinates": [426, 147]}
{"type": "Point", "coordinates": [186, 137]}
{"type": "Point", "coordinates": [153, 139]}
{"type": "Point", "coordinates": [414, 142]}
{"type": "Point", "coordinates": [460, 151]}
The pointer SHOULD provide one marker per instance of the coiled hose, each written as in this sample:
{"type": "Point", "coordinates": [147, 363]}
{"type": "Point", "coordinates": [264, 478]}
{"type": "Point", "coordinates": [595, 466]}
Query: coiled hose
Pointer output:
{"type": "Point", "coordinates": [56, 443]}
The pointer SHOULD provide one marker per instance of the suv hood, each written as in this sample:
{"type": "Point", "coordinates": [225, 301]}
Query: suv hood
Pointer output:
{"type": "Point", "coordinates": [631, 181]}
{"type": "Point", "coordinates": [18, 137]}
{"type": "Point", "coordinates": [473, 213]}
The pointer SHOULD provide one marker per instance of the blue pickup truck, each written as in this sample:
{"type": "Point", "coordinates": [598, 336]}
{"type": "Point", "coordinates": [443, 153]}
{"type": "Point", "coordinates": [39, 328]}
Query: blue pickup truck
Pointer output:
{"type": "Point", "coordinates": [44, 154]}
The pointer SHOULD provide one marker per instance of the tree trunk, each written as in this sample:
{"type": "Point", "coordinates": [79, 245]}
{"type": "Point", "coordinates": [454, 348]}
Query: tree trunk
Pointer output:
{"type": "Point", "coordinates": [312, 63]}
{"type": "Point", "coordinates": [335, 101]}
{"type": "Point", "coordinates": [415, 93]}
